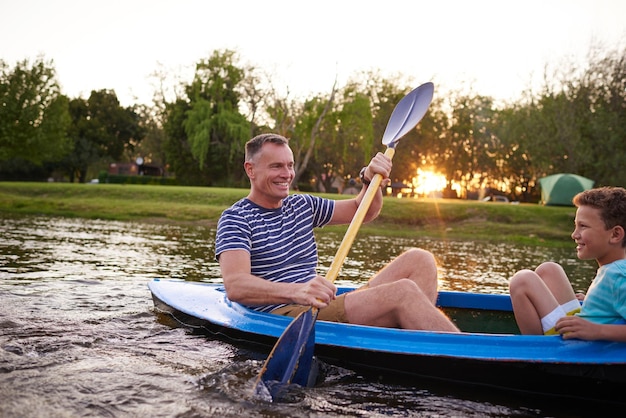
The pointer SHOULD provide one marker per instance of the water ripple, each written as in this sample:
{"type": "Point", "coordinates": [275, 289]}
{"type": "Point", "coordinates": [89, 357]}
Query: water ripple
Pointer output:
{"type": "Point", "coordinates": [79, 335]}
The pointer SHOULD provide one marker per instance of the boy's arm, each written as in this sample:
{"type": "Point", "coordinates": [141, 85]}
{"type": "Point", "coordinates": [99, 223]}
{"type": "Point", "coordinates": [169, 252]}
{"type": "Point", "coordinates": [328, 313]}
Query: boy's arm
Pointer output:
{"type": "Point", "coordinates": [576, 327]}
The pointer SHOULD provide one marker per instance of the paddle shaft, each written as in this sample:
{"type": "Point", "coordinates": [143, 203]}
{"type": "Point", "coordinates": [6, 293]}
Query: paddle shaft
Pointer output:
{"type": "Point", "coordinates": [283, 367]}
{"type": "Point", "coordinates": [355, 224]}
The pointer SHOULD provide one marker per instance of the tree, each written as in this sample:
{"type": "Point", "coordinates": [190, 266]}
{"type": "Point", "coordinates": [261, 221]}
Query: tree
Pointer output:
{"type": "Point", "coordinates": [309, 136]}
{"type": "Point", "coordinates": [151, 147]}
{"type": "Point", "coordinates": [430, 149]}
{"type": "Point", "coordinates": [176, 146]}
{"type": "Point", "coordinates": [470, 146]}
{"type": "Point", "coordinates": [575, 124]}
{"type": "Point", "coordinates": [513, 127]}
{"type": "Point", "coordinates": [215, 128]}
{"type": "Point", "coordinates": [604, 87]}
{"type": "Point", "coordinates": [34, 115]}
{"type": "Point", "coordinates": [385, 95]}
{"type": "Point", "coordinates": [207, 125]}
{"type": "Point", "coordinates": [354, 135]}
{"type": "Point", "coordinates": [101, 129]}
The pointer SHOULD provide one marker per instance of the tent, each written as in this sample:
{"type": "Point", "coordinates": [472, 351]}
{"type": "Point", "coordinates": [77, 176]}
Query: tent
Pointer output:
{"type": "Point", "coordinates": [560, 189]}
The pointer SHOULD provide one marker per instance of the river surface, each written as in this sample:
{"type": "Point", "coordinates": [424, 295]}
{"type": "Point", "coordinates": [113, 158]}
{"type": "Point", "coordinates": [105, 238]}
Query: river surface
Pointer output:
{"type": "Point", "coordinates": [79, 336]}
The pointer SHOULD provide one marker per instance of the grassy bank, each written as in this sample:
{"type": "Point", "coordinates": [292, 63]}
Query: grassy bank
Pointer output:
{"type": "Point", "coordinates": [437, 218]}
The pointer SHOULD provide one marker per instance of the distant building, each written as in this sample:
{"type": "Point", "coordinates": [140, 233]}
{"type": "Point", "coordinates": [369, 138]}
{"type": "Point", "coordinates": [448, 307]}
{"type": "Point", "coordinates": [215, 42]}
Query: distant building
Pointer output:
{"type": "Point", "coordinates": [134, 169]}
{"type": "Point", "coordinates": [351, 188]}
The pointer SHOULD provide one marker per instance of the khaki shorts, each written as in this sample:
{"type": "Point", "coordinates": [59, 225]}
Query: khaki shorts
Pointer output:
{"type": "Point", "coordinates": [334, 312]}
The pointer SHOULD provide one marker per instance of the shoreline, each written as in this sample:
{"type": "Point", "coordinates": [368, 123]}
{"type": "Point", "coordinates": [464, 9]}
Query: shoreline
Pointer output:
{"type": "Point", "coordinates": [526, 224]}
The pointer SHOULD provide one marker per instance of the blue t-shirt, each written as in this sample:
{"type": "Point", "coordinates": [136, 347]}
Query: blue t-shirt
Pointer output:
{"type": "Point", "coordinates": [280, 241]}
{"type": "Point", "coordinates": [605, 302]}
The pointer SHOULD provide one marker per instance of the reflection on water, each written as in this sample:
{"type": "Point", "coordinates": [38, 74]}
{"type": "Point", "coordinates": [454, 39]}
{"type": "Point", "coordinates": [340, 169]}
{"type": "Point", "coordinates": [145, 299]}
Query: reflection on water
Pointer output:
{"type": "Point", "coordinates": [463, 265]}
{"type": "Point", "coordinates": [67, 249]}
{"type": "Point", "coordinates": [79, 337]}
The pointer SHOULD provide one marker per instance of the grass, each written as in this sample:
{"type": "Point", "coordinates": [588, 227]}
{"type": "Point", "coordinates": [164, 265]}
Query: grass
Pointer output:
{"type": "Point", "coordinates": [526, 224]}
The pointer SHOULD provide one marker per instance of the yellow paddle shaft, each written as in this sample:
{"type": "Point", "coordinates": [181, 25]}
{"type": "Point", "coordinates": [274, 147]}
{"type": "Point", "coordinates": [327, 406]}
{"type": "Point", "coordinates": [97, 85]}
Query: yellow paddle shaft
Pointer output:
{"type": "Point", "coordinates": [357, 220]}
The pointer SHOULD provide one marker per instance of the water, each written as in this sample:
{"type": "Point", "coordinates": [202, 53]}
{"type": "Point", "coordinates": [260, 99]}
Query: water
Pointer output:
{"type": "Point", "coordinates": [79, 335]}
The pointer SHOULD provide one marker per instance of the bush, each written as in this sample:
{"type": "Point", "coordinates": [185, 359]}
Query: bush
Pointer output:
{"type": "Point", "coordinates": [124, 179]}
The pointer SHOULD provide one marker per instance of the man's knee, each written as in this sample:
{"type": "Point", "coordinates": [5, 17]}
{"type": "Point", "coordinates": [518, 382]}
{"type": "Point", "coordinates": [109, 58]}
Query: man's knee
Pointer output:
{"type": "Point", "coordinates": [419, 256]}
{"type": "Point", "coordinates": [396, 291]}
{"type": "Point", "coordinates": [406, 290]}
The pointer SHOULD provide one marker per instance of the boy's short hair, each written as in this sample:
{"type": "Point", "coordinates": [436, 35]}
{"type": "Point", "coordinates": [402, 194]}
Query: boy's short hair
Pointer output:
{"type": "Point", "coordinates": [254, 145]}
{"type": "Point", "coordinates": [611, 201]}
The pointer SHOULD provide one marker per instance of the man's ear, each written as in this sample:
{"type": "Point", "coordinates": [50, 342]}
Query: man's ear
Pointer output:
{"type": "Point", "coordinates": [249, 168]}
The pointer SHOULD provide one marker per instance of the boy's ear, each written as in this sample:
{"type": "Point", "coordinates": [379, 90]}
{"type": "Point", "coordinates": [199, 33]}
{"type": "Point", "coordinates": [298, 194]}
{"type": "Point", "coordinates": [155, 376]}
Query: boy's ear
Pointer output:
{"type": "Point", "coordinates": [618, 234]}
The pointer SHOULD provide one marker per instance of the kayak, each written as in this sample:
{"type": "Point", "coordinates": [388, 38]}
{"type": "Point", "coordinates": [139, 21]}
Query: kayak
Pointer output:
{"type": "Point", "coordinates": [489, 352]}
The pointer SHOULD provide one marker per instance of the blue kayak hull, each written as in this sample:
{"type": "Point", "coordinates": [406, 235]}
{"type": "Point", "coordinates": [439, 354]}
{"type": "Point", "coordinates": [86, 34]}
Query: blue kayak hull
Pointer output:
{"type": "Point", "coordinates": [545, 365]}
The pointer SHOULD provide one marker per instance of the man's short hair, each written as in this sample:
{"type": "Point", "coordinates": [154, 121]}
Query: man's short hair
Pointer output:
{"type": "Point", "coordinates": [254, 145]}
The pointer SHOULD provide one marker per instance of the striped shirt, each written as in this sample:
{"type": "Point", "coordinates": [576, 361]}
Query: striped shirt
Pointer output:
{"type": "Point", "coordinates": [280, 241]}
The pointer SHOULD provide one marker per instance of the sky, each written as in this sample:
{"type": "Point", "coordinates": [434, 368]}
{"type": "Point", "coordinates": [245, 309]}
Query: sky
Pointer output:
{"type": "Point", "coordinates": [496, 48]}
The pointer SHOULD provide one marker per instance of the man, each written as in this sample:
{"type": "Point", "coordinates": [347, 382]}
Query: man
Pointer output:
{"type": "Point", "coordinates": [268, 257]}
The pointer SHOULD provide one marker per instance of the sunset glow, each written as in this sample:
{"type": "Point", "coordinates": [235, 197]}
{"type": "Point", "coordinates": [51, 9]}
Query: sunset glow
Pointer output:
{"type": "Point", "coordinates": [428, 182]}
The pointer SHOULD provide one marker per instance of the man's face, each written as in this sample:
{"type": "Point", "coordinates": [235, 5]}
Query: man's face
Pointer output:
{"type": "Point", "coordinates": [271, 172]}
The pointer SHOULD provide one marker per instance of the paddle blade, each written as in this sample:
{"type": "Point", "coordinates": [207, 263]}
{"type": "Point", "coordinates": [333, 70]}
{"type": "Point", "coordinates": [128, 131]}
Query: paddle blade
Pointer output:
{"type": "Point", "coordinates": [291, 358]}
{"type": "Point", "coordinates": [407, 113]}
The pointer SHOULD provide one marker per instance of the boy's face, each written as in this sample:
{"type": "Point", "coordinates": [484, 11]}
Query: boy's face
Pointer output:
{"type": "Point", "coordinates": [593, 240]}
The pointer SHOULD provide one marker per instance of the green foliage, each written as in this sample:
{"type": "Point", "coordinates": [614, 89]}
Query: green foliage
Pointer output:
{"type": "Point", "coordinates": [578, 124]}
{"type": "Point", "coordinates": [467, 153]}
{"type": "Point", "coordinates": [152, 146]}
{"type": "Point", "coordinates": [206, 128]}
{"type": "Point", "coordinates": [34, 115]}
{"type": "Point", "coordinates": [207, 124]}
{"type": "Point", "coordinates": [575, 123]}
{"type": "Point", "coordinates": [101, 130]}
{"type": "Point", "coordinates": [605, 131]}
{"type": "Point", "coordinates": [198, 127]}
{"type": "Point", "coordinates": [123, 179]}
{"type": "Point", "coordinates": [355, 135]}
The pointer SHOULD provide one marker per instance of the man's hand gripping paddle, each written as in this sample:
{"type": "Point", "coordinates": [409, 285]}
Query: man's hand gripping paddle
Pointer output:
{"type": "Point", "coordinates": [292, 356]}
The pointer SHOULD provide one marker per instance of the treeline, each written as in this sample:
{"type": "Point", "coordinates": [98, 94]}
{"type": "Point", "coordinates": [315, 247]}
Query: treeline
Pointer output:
{"type": "Point", "coordinates": [576, 123]}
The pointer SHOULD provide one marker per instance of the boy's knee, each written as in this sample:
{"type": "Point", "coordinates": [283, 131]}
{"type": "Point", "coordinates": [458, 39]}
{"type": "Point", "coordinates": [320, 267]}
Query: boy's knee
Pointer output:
{"type": "Point", "coordinates": [549, 268]}
{"type": "Point", "coordinates": [521, 279]}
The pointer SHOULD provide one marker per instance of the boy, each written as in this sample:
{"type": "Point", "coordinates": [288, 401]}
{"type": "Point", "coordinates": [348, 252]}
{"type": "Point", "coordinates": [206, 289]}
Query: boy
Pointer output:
{"type": "Point", "coordinates": [544, 301]}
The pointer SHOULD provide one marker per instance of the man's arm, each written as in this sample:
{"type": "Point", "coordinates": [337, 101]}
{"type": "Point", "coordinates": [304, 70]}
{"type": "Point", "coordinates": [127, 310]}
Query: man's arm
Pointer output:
{"type": "Point", "coordinates": [245, 288]}
{"type": "Point", "coordinates": [345, 209]}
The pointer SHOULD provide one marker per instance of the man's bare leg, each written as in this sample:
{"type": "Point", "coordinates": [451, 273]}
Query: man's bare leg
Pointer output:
{"type": "Point", "coordinates": [401, 295]}
{"type": "Point", "coordinates": [416, 265]}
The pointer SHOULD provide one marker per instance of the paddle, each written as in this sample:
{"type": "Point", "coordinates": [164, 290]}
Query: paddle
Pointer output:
{"type": "Point", "coordinates": [292, 356]}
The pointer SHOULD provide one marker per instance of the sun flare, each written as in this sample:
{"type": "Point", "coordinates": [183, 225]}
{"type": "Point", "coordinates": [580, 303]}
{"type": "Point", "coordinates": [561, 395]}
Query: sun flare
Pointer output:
{"type": "Point", "coordinates": [428, 182]}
